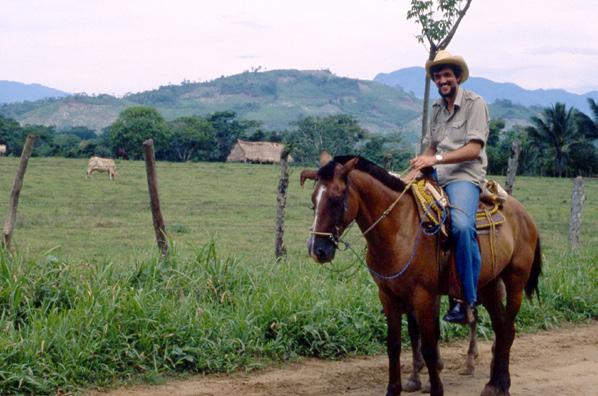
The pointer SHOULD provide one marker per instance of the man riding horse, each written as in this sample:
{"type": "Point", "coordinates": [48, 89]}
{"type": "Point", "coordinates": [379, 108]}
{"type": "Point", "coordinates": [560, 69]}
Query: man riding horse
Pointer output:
{"type": "Point", "coordinates": [455, 145]}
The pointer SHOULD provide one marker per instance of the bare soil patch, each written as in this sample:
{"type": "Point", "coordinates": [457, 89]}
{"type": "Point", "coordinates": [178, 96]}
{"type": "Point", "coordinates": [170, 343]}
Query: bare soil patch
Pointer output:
{"type": "Point", "coordinates": [558, 362]}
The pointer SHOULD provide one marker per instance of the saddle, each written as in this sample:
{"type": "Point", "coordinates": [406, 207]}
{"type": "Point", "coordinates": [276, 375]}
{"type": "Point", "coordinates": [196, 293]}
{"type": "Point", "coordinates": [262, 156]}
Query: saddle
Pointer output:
{"type": "Point", "coordinates": [433, 208]}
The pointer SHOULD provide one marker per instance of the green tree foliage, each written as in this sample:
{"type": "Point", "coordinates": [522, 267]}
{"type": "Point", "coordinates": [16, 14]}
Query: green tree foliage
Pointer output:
{"type": "Point", "coordinates": [387, 151]}
{"type": "Point", "coordinates": [135, 125]}
{"type": "Point", "coordinates": [497, 155]}
{"type": "Point", "coordinates": [587, 125]}
{"type": "Point", "coordinates": [337, 134]}
{"type": "Point", "coordinates": [557, 138]}
{"type": "Point", "coordinates": [82, 132]}
{"type": "Point", "coordinates": [438, 21]}
{"type": "Point", "coordinates": [228, 129]}
{"type": "Point", "coordinates": [11, 135]}
{"type": "Point", "coordinates": [192, 139]}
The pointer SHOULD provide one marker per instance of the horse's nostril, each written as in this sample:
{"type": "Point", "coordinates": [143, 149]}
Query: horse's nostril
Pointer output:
{"type": "Point", "coordinates": [321, 253]}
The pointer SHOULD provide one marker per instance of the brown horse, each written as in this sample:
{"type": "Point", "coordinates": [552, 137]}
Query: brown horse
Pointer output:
{"type": "Point", "coordinates": [404, 261]}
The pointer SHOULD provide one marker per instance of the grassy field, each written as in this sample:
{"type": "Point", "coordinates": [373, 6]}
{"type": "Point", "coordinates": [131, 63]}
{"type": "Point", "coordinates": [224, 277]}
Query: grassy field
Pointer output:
{"type": "Point", "coordinates": [85, 302]}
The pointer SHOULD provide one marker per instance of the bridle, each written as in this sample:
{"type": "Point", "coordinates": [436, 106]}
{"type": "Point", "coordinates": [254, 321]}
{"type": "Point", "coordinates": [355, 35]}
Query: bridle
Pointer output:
{"type": "Point", "coordinates": [337, 239]}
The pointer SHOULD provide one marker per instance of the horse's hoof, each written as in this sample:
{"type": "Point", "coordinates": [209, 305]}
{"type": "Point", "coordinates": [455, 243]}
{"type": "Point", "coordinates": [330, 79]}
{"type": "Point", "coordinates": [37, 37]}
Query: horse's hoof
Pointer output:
{"type": "Point", "coordinates": [393, 390]}
{"type": "Point", "coordinates": [490, 390]}
{"type": "Point", "coordinates": [427, 388]}
{"type": "Point", "coordinates": [467, 370]}
{"type": "Point", "coordinates": [439, 364]}
{"type": "Point", "coordinates": [411, 385]}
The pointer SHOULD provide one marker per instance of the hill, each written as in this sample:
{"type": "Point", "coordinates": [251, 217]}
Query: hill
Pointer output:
{"type": "Point", "coordinates": [277, 98]}
{"type": "Point", "coordinates": [411, 80]}
{"type": "Point", "coordinates": [11, 91]}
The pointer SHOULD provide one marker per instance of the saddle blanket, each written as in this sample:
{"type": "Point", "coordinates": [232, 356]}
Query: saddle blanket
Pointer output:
{"type": "Point", "coordinates": [433, 205]}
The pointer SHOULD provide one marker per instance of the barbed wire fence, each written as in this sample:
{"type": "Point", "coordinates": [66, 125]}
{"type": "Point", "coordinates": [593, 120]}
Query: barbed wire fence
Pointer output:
{"type": "Point", "coordinates": [80, 206]}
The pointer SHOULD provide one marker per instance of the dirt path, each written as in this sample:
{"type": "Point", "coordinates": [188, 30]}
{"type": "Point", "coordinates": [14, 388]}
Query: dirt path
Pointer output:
{"type": "Point", "coordinates": [561, 362]}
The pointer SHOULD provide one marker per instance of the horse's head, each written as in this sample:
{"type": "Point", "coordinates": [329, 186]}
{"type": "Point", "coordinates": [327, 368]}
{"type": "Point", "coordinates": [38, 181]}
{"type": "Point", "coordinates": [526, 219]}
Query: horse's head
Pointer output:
{"type": "Point", "coordinates": [333, 211]}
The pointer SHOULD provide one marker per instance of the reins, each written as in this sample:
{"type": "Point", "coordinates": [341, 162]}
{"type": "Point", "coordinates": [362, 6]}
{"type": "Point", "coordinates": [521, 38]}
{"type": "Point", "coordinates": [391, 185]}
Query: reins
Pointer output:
{"type": "Point", "coordinates": [390, 208]}
{"type": "Point", "coordinates": [337, 240]}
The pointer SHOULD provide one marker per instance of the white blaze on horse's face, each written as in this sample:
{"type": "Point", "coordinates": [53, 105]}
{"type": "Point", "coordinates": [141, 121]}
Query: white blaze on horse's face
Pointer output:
{"type": "Point", "coordinates": [311, 241]}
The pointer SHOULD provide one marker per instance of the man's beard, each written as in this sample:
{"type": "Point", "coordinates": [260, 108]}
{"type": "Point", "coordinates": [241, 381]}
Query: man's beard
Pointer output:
{"type": "Point", "coordinates": [451, 92]}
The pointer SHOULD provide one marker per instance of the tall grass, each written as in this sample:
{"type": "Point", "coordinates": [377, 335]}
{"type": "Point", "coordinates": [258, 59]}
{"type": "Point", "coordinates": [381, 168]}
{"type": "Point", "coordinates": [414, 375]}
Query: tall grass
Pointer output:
{"type": "Point", "coordinates": [71, 320]}
{"type": "Point", "coordinates": [67, 326]}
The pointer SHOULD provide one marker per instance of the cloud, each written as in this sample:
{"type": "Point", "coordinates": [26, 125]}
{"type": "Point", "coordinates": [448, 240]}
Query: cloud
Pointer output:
{"type": "Point", "coordinates": [251, 24]}
{"type": "Point", "coordinates": [563, 50]}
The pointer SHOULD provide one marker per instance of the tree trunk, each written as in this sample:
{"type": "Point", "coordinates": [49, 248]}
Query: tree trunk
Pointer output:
{"type": "Point", "coordinates": [513, 164]}
{"type": "Point", "coordinates": [577, 199]}
{"type": "Point", "coordinates": [281, 200]}
{"type": "Point", "coordinates": [11, 215]}
{"type": "Point", "coordinates": [425, 110]}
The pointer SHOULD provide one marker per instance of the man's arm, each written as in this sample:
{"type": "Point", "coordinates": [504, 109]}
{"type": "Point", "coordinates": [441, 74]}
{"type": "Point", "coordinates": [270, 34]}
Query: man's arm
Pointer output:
{"type": "Point", "coordinates": [468, 152]}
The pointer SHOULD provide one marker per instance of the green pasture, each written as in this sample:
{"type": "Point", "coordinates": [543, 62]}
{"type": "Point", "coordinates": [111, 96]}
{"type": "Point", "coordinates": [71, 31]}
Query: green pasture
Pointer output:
{"type": "Point", "coordinates": [90, 219]}
{"type": "Point", "coordinates": [85, 301]}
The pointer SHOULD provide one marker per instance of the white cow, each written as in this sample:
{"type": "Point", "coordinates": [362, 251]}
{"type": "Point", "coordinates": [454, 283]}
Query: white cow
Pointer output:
{"type": "Point", "coordinates": [2, 149]}
{"type": "Point", "coordinates": [101, 165]}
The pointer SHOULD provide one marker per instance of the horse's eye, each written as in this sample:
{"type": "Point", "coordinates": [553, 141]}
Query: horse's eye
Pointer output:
{"type": "Point", "coordinates": [335, 203]}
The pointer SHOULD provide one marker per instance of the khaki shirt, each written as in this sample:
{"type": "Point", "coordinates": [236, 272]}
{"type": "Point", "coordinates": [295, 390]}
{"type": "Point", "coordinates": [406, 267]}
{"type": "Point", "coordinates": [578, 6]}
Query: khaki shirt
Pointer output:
{"type": "Point", "coordinates": [450, 131]}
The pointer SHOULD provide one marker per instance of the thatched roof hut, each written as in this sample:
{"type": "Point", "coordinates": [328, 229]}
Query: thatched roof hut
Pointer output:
{"type": "Point", "coordinates": [256, 152]}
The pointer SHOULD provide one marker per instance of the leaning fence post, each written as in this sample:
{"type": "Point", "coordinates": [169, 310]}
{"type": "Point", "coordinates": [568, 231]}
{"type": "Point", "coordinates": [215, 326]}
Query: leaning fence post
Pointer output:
{"type": "Point", "coordinates": [512, 166]}
{"type": "Point", "coordinates": [281, 200]}
{"type": "Point", "coordinates": [577, 198]}
{"type": "Point", "coordinates": [152, 186]}
{"type": "Point", "coordinates": [11, 215]}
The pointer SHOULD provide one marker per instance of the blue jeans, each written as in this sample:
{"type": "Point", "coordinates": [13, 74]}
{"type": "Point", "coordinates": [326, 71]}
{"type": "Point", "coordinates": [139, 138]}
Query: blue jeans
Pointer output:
{"type": "Point", "coordinates": [463, 197]}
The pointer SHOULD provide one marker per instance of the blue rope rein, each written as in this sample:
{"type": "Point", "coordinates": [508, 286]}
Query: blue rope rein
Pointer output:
{"type": "Point", "coordinates": [422, 230]}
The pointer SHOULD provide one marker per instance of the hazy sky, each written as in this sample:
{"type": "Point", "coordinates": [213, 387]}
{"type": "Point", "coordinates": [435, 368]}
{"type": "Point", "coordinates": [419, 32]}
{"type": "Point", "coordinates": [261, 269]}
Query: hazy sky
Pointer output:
{"type": "Point", "coordinates": [119, 46]}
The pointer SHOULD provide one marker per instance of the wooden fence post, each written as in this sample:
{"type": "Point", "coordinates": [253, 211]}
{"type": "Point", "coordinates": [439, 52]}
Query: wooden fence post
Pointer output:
{"type": "Point", "coordinates": [11, 215]}
{"type": "Point", "coordinates": [152, 186]}
{"type": "Point", "coordinates": [512, 165]}
{"type": "Point", "coordinates": [577, 198]}
{"type": "Point", "coordinates": [281, 201]}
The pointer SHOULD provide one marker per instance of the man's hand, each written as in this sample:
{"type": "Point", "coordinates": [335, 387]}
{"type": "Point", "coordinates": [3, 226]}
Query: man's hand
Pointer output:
{"type": "Point", "coordinates": [422, 161]}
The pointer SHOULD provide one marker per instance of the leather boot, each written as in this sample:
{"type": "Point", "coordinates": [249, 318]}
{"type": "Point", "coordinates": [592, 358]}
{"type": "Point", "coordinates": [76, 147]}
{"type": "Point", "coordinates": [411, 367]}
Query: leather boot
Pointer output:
{"type": "Point", "coordinates": [462, 313]}
{"type": "Point", "coordinates": [457, 314]}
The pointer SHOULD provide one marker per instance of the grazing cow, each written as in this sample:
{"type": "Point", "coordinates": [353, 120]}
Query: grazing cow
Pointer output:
{"type": "Point", "coordinates": [2, 149]}
{"type": "Point", "coordinates": [102, 165]}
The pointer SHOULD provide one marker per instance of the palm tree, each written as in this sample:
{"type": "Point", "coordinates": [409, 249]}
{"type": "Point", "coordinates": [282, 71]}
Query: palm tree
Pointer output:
{"type": "Point", "coordinates": [556, 133]}
{"type": "Point", "coordinates": [589, 126]}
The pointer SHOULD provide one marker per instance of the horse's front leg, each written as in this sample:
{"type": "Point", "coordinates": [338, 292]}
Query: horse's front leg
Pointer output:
{"type": "Point", "coordinates": [392, 311]}
{"type": "Point", "coordinates": [426, 307]}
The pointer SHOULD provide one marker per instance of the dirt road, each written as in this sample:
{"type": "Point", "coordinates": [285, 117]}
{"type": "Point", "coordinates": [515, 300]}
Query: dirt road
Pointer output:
{"type": "Point", "coordinates": [560, 362]}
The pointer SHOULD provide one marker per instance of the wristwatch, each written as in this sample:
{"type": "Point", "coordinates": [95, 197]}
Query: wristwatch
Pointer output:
{"type": "Point", "coordinates": [439, 158]}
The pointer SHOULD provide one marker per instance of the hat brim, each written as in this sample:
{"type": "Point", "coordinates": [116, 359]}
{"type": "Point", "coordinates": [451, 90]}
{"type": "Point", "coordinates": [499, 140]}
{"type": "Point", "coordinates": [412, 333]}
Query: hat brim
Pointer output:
{"type": "Point", "coordinates": [453, 60]}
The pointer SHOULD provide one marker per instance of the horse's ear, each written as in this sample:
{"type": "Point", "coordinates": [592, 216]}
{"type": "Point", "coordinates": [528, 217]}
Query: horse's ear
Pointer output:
{"type": "Point", "coordinates": [308, 174]}
{"type": "Point", "coordinates": [325, 158]}
{"type": "Point", "coordinates": [349, 166]}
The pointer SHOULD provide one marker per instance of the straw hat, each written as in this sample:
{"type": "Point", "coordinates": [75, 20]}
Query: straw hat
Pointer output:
{"type": "Point", "coordinates": [444, 57]}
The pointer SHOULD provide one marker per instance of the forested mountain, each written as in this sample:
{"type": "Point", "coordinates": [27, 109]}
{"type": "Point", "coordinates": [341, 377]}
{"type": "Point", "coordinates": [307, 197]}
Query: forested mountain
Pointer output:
{"type": "Point", "coordinates": [276, 98]}
{"type": "Point", "coordinates": [11, 91]}
{"type": "Point", "coordinates": [411, 80]}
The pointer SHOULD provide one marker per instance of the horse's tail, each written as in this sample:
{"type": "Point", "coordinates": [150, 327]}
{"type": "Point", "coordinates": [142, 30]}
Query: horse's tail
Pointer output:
{"type": "Point", "coordinates": [532, 283]}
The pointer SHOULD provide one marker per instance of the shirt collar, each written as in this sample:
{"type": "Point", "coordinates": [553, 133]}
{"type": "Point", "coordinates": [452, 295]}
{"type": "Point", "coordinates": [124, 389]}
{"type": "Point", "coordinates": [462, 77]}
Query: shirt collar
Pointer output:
{"type": "Point", "coordinates": [458, 99]}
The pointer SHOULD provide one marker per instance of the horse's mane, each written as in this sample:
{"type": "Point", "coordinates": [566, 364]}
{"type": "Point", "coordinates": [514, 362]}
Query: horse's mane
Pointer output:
{"type": "Point", "coordinates": [365, 165]}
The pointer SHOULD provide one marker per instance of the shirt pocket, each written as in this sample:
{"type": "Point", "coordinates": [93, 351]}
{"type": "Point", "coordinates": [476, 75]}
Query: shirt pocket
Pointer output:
{"type": "Point", "coordinates": [436, 134]}
{"type": "Point", "coordinates": [456, 132]}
